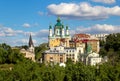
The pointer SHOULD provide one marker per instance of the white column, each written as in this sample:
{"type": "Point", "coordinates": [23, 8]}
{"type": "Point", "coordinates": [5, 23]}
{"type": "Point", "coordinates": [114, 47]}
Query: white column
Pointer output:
{"type": "Point", "coordinates": [50, 32]}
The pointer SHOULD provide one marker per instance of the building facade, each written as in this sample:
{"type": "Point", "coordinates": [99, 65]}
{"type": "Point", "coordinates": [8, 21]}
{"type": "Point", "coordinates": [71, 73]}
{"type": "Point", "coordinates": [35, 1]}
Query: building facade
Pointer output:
{"type": "Point", "coordinates": [101, 37]}
{"type": "Point", "coordinates": [61, 54]}
{"type": "Point", "coordinates": [89, 57]}
{"type": "Point", "coordinates": [55, 55]}
{"type": "Point", "coordinates": [93, 59]}
{"type": "Point", "coordinates": [82, 39]}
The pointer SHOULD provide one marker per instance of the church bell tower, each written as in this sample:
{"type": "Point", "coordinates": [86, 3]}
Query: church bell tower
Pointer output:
{"type": "Point", "coordinates": [31, 45]}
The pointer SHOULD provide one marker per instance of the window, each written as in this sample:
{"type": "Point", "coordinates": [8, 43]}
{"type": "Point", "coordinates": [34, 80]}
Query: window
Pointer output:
{"type": "Point", "coordinates": [79, 51]}
{"type": "Point", "coordinates": [72, 57]}
{"type": "Point", "coordinates": [51, 58]}
{"type": "Point", "coordinates": [61, 60]}
{"type": "Point", "coordinates": [70, 50]}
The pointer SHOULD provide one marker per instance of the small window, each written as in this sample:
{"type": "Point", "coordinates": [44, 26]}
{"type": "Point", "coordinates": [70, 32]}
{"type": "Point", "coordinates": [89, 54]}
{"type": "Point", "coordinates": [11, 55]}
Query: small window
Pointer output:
{"type": "Point", "coordinates": [79, 51]}
{"type": "Point", "coordinates": [61, 60]}
{"type": "Point", "coordinates": [72, 57]}
{"type": "Point", "coordinates": [51, 58]}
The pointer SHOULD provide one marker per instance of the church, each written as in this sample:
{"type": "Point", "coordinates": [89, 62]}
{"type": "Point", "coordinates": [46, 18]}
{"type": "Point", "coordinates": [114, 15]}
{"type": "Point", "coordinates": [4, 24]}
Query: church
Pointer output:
{"type": "Point", "coordinates": [63, 47]}
{"type": "Point", "coordinates": [59, 36]}
{"type": "Point", "coordinates": [30, 52]}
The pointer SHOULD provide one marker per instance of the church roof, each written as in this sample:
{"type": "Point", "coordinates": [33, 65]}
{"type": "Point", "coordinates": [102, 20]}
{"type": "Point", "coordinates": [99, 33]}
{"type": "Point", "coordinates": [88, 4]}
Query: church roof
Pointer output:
{"type": "Point", "coordinates": [50, 27]}
{"type": "Point", "coordinates": [59, 25]}
{"type": "Point", "coordinates": [30, 41]}
{"type": "Point", "coordinates": [66, 27]}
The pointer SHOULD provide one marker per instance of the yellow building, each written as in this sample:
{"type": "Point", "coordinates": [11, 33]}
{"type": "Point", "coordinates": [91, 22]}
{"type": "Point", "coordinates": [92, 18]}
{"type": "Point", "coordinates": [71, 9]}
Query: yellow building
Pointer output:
{"type": "Point", "coordinates": [55, 55]}
{"type": "Point", "coordinates": [59, 36]}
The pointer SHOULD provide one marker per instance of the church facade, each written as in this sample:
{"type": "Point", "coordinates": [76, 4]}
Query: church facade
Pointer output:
{"type": "Point", "coordinates": [59, 36]}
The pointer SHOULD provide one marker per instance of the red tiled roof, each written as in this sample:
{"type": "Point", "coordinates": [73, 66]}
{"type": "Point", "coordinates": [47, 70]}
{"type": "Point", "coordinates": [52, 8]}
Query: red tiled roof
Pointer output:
{"type": "Point", "coordinates": [82, 35]}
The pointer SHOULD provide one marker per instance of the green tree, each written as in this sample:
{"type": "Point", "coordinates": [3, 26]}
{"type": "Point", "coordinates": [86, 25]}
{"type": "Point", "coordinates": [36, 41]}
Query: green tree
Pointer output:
{"type": "Point", "coordinates": [113, 41]}
{"type": "Point", "coordinates": [102, 43]}
{"type": "Point", "coordinates": [39, 50]}
{"type": "Point", "coordinates": [8, 55]}
{"type": "Point", "coordinates": [103, 52]}
{"type": "Point", "coordinates": [25, 47]}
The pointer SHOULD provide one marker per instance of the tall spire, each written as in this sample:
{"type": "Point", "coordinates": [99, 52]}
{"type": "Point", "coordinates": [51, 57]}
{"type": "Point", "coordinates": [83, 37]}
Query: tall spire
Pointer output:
{"type": "Point", "coordinates": [30, 41]}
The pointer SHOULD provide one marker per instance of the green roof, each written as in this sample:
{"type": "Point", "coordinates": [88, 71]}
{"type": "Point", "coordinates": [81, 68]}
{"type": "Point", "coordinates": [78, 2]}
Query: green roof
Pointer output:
{"type": "Point", "coordinates": [62, 26]}
{"type": "Point", "coordinates": [66, 27]}
{"type": "Point", "coordinates": [50, 27]}
{"type": "Point", "coordinates": [59, 25]}
{"type": "Point", "coordinates": [58, 19]}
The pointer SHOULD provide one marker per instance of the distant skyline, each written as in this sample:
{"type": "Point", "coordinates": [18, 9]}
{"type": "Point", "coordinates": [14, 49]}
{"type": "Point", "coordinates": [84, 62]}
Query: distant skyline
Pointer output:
{"type": "Point", "coordinates": [19, 18]}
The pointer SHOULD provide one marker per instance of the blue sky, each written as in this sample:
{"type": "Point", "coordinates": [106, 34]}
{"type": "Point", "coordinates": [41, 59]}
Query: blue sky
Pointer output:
{"type": "Point", "coordinates": [19, 18]}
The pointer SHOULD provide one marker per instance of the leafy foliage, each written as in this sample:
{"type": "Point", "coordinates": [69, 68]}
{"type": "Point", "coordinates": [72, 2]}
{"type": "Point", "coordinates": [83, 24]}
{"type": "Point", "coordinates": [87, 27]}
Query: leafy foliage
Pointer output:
{"type": "Point", "coordinates": [111, 47]}
{"type": "Point", "coordinates": [26, 70]}
{"type": "Point", "coordinates": [113, 42]}
{"type": "Point", "coordinates": [39, 50]}
{"type": "Point", "coordinates": [8, 55]}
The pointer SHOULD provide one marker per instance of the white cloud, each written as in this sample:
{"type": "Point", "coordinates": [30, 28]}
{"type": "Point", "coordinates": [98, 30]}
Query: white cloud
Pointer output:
{"type": "Point", "coordinates": [83, 11]}
{"type": "Point", "coordinates": [9, 32]}
{"type": "Point", "coordinates": [16, 38]}
{"type": "Point", "coordinates": [18, 42]}
{"type": "Point", "coordinates": [20, 37]}
{"type": "Point", "coordinates": [98, 28]}
{"type": "Point", "coordinates": [42, 33]}
{"type": "Point", "coordinates": [26, 25]}
{"type": "Point", "coordinates": [25, 41]}
{"type": "Point", "coordinates": [6, 31]}
{"type": "Point", "coordinates": [105, 1]}
{"type": "Point", "coordinates": [28, 33]}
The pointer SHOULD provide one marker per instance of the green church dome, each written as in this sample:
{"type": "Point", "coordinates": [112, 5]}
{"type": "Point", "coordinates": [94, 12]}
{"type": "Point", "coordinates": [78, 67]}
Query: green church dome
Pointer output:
{"type": "Point", "coordinates": [58, 19]}
{"type": "Point", "coordinates": [59, 25]}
